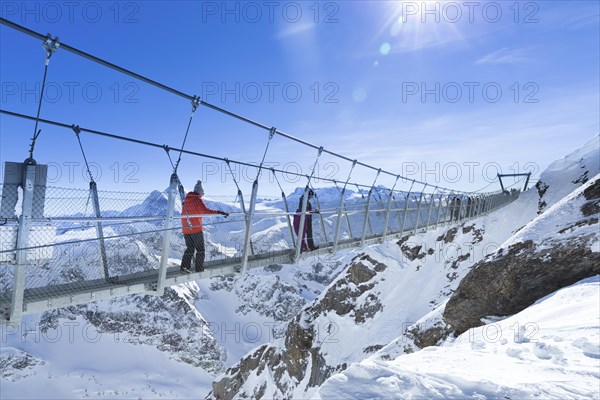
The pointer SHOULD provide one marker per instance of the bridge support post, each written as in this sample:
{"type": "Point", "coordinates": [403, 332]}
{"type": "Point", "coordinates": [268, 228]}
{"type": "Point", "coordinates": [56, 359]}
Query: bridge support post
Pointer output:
{"type": "Point", "coordinates": [338, 223]}
{"type": "Point", "coordinates": [16, 305]}
{"type": "Point", "coordinates": [347, 219]}
{"type": "Point", "coordinates": [243, 207]}
{"type": "Point", "coordinates": [439, 209]}
{"type": "Point", "coordinates": [366, 222]}
{"type": "Point", "coordinates": [387, 211]}
{"type": "Point", "coordinates": [99, 230]}
{"type": "Point", "coordinates": [249, 215]}
{"type": "Point", "coordinates": [320, 218]}
{"type": "Point", "coordinates": [448, 205]}
{"type": "Point", "coordinates": [418, 213]}
{"type": "Point", "coordinates": [166, 241]}
{"type": "Point", "coordinates": [405, 212]}
{"type": "Point", "coordinates": [287, 218]}
{"type": "Point", "coordinates": [429, 212]}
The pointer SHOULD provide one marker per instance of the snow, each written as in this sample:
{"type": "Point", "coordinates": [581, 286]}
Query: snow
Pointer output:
{"type": "Point", "coordinates": [549, 350]}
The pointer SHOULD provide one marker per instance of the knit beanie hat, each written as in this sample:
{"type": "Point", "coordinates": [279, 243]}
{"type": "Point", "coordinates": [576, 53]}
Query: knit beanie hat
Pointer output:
{"type": "Point", "coordinates": [198, 188]}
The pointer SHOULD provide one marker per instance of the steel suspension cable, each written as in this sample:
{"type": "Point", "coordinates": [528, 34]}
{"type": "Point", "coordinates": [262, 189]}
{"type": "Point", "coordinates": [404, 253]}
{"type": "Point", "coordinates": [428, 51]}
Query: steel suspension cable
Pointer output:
{"type": "Point", "coordinates": [50, 46]}
{"type": "Point", "coordinates": [164, 147]}
{"type": "Point", "coordinates": [77, 131]}
{"type": "Point", "coordinates": [271, 134]}
{"type": "Point", "coordinates": [186, 96]}
{"type": "Point", "coordinates": [195, 104]}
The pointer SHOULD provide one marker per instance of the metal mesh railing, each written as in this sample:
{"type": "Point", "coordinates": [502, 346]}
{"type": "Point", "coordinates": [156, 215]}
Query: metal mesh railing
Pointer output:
{"type": "Point", "coordinates": [64, 248]}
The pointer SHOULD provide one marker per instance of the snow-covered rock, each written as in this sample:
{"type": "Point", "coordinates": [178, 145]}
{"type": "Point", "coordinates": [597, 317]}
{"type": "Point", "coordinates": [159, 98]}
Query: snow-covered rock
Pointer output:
{"type": "Point", "coordinates": [549, 350]}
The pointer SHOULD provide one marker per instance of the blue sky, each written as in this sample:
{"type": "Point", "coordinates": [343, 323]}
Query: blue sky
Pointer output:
{"type": "Point", "coordinates": [448, 92]}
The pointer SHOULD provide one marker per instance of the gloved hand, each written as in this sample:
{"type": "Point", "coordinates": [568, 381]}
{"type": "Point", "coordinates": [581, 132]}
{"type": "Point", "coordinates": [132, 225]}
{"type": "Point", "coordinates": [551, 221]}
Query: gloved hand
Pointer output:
{"type": "Point", "coordinates": [223, 213]}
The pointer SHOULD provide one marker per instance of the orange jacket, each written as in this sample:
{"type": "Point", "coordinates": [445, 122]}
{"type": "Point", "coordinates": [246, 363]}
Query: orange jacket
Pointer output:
{"type": "Point", "coordinates": [193, 205]}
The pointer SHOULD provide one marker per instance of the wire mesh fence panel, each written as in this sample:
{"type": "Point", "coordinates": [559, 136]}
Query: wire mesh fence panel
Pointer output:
{"type": "Point", "coordinates": [62, 202]}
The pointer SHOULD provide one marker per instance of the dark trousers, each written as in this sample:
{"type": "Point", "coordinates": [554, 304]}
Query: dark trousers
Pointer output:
{"type": "Point", "coordinates": [195, 244]}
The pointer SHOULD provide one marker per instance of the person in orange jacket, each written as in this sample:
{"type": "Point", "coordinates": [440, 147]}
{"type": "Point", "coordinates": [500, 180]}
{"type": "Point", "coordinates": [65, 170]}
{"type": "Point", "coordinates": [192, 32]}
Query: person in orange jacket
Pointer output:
{"type": "Point", "coordinates": [191, 223]}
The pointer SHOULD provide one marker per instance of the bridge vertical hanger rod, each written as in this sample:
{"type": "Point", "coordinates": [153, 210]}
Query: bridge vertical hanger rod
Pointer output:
{"type": "Point", "coordinates": [406, 208]}
{"type": "Point", "coordinates": [99, 230]}
{"type": "Point", "coordinates": [430, 207]}
{"type": "Point", "coordinates": [249, 216]}
{"type": "Point", "coordinates": [366, 221]}
{"type": "Point", "coordinates": [166, 240]}
{"type": "Point", "coordinates": [419, 210]}
{"type": "Point", "coordinates": [16, 305]}
{"type": "Point", "coordinates": [387, 210]}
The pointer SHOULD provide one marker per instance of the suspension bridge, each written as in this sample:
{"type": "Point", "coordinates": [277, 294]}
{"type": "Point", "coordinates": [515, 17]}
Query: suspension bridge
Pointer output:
{"type": "Point", "coordinates": [67, 246]}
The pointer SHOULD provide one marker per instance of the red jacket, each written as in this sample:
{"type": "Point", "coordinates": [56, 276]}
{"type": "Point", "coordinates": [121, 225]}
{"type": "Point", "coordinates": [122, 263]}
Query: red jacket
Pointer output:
{"type": "Point", "coordinates": [193, 205]}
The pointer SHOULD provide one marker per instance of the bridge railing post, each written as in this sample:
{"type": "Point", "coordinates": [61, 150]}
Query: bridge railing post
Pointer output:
{"type": "Point", "coordinates": [166, 239]}
{"type": "Point", "coordinates": [322, 223]}
{"type": "Point", "coordinates": [287, 218]}
{"type": "Point", "coordinates": [430, 207]}
{"type": "Point", "coordinates": [243, 207]}
{"type": "Point", "coordinates": [405, 212]}
{"type": "Point", "coordinates": [16, 306]}
{"type": "Point", "coordinates": [419, 211]}
{"type": "Point", "coordinates": [448, 206]}
{"type": "Point", "coordinates": [387, 211]}
{"type": "Point", "coordinates": [366, 220]}
{"type": "Point", "coordinates": [99, 230]}
{"type": "Point", "coordinates": [338, 222]}
{"type": "Point", "coordinates": [300, 238]}
{"type": "Point", "coordinates": [249, 215]}
{"type": "Point", "coordinates": [439, 210]}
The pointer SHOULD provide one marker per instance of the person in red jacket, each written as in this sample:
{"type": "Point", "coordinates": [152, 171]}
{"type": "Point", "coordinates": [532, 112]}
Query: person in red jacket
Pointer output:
{"type": "Point", "coordinates": [191, 223]}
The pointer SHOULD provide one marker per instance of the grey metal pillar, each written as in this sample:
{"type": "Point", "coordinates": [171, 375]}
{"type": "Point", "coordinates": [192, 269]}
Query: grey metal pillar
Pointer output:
{"type": "Point", "coordinates": [287, 218]}
{"type": "Point", "coordinates": [301, 226]}
{"type": "Point", "coordinates": [418, 212]}
{"type": "Point", "coordinates": [448, 202]}
{"type": "Point", "coordinates": [16, 305]}
{"type": "Point", "coordinates": [439, 209]}
{"type": "Point", "coordinates": [429, 212]}
{"type": "Point", "coordinates": [387, 211]}
{"type": "Point", "coordinates": [166, 240]}
{"type": "Point", "coordinates": [366, 221]}
{"type": "Point", "coordinates": [99, 230]}
{"type": "Point", "coordinates": [320, 218]}
{"type": "Point", "coordinates": [405, 212]}
{"type": "Point", "coordinates": [243, 207]}
{"type": "Point", "coordinates": [249, 215]}
{"type": "Point", "coordinates": [338, 223]}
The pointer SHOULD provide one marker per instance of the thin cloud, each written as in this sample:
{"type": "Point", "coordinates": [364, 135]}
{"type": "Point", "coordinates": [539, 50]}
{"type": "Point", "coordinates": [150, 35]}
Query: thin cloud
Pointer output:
{"type": "Point", "coordinates": [505, 56]}
{"type": "Point", "coordinates": [295, 29]}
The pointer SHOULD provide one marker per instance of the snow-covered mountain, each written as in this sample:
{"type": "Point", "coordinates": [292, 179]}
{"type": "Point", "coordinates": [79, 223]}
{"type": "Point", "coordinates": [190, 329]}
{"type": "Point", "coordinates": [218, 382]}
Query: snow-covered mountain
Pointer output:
{"type": "Point", "coordinates": [392, 297]}
{"type": "Point", "coordinates": [313, 329]}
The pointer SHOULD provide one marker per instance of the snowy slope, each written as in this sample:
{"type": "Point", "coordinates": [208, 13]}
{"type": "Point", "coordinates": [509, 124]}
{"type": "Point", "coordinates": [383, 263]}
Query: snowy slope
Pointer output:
{"type": "Point", "coordinates": [381, 294]}
{"type": "Point", "coordinates": [550, 350]}
{"type": "Point", "coordinates": [350, 303]}
{"type": "Point", "coordinates": [566, 174]}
